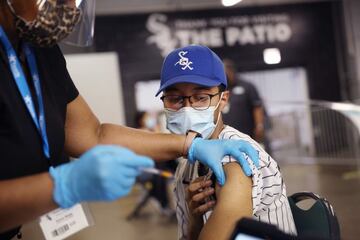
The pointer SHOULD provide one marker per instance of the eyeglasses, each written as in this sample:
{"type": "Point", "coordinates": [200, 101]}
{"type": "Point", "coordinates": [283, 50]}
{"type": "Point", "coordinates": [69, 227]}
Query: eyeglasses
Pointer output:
{"type": "Point", "coordinates": [197, 101]}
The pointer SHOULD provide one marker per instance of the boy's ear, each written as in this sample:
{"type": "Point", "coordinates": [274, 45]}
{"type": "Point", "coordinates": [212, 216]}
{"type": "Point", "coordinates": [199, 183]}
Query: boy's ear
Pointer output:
{"type": "Point", "coordinates": [224, 99]}
{"type": "Point", "coordinates": [225, 96]}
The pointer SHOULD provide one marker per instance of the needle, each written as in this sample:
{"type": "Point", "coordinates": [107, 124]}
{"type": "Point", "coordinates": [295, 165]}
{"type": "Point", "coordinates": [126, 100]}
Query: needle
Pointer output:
{"type": "Point", "coordinates": [162, 173]}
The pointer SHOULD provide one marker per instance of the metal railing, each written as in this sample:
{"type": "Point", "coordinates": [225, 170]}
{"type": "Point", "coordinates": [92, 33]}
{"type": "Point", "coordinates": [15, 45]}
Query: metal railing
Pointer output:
{"type": "Point", "coordinates": [315, 132]}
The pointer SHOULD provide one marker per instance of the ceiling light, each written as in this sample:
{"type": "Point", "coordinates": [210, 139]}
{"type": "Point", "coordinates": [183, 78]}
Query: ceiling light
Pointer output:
{"type": "Point", "coordinates": [272, 56]}
{"type": "Point", "coordinates": [229, 3]}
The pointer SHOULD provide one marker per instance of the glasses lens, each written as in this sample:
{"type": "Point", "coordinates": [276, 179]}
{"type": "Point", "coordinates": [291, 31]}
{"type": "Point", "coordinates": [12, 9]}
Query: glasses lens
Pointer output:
{"type": "Point", "coordinates": [200, 101]}
{"type": "Point", "coordinates": [173, 102]}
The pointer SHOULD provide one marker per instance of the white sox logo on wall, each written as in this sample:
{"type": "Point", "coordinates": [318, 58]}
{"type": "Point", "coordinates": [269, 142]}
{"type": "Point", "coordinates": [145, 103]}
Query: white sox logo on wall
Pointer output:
{"type": "Point", "coordinates": [219, 31]}
{"type": "Point", "coordinates": [184, 61]}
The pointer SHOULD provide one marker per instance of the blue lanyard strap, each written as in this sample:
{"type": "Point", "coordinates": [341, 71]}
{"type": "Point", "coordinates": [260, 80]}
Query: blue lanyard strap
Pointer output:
{"type": "Point", "coordinates": [20, 80]}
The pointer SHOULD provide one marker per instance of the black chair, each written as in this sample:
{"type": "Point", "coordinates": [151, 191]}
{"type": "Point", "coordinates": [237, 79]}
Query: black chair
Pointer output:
{"type": "Point", "coordinates": [318, 222]}
{"type": "Point", "coordinates": [144, 180]}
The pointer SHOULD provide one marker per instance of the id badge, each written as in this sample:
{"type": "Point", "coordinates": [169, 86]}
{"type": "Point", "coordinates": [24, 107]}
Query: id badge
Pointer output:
{"type": "Point", "coordinates": [62, 223]}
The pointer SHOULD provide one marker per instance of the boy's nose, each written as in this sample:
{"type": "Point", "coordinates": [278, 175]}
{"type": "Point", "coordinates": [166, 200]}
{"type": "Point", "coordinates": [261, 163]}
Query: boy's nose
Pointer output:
{"type": "Point", "coordinates": [187, 102]}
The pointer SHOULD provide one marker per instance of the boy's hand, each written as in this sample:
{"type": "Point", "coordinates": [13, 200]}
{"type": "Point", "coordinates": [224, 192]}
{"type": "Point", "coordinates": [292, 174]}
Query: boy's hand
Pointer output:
{"type": "Point", "coordinates": [197, 192]}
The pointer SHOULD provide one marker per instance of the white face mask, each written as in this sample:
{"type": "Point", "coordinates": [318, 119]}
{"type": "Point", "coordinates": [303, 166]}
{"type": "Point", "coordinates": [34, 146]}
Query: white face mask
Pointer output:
{"type": "Point", "coordinates": [187, 118]}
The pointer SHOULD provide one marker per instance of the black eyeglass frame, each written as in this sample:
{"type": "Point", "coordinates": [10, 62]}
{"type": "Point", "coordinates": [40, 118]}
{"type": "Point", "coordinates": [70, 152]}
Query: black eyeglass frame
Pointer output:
{"type": "Point", "coordinates": [189, 97]}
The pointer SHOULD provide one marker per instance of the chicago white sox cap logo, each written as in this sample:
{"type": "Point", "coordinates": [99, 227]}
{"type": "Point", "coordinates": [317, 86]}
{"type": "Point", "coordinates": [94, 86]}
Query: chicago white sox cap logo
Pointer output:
{"type": "Point", "coordinates": [184, 61]}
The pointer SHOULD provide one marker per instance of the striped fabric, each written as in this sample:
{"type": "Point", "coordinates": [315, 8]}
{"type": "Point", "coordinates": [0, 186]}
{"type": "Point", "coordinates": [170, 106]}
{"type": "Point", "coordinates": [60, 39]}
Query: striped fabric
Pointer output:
{"type": "Point", "coordinates": [269, 198]}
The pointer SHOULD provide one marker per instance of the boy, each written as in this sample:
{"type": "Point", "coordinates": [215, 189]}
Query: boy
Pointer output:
{"type": "Point", "coordinates": [193, 83]}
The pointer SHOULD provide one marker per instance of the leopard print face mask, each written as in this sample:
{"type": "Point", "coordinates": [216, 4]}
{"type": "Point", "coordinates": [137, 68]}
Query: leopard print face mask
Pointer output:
{"type": "Point", "coordinates": [53, 23]}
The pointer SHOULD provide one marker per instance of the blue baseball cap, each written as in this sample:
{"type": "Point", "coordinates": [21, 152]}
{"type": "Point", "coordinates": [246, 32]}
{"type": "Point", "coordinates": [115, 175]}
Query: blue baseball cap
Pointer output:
{"type": "Point", "coordinates": [192, 64]}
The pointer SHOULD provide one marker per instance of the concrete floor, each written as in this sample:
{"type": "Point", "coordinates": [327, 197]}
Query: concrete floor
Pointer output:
{"type": "Point", "coordinates": [334, 182]}
{"type": "Point", "coordinates": [337, 185]}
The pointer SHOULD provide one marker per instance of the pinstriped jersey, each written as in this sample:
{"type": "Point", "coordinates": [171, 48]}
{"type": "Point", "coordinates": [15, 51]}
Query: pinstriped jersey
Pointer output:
{"type": "Point", "coordinates": [269, 198]}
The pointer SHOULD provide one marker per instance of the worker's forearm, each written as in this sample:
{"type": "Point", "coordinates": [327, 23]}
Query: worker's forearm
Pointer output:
{"type": "Point", "coordinates": [158, 146]}
{"type": "Point", "coordinates": [25, 199]}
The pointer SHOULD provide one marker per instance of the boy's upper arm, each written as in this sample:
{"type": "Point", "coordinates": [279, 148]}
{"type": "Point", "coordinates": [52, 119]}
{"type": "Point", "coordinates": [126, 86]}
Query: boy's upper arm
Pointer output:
{"type": "Point", "coordinates": [234, 201]}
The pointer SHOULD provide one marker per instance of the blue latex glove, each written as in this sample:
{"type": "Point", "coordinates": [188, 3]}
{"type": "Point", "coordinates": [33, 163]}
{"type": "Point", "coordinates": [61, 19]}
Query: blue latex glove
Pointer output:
{"type": "Point", "coordinates": [211, 152]}
{"type": "Point", "coordinates": [104, 173]}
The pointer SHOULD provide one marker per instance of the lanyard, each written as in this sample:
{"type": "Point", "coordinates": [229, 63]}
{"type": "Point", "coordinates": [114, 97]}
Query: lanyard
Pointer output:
{"type": "Point", "coordinates": [23, 87]}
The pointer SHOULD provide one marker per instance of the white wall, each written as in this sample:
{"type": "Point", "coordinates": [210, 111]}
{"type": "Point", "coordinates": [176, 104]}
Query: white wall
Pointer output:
{"type": "Point", "coordinates": [97, 78]}
{"type": "Point", "coordinates": [280, 88]}
{"type": "Point", "coordinates": [145, 96]}
{"type": "Point", "coordinates": [285, 91]}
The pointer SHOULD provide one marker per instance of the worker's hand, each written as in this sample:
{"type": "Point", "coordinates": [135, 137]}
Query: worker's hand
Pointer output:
{"type": "Point", "coordinates": [198, 192]}
{"type": "Point", "coordinates": [104, 173]}
{"type": "Point", "coordinates": [211, 152]}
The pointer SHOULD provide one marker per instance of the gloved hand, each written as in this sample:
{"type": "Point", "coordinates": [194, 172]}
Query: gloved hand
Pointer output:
{"type": "Point", "coordinates": [210, 153]}
{"type": "Point", "coordinates": [104, 173]}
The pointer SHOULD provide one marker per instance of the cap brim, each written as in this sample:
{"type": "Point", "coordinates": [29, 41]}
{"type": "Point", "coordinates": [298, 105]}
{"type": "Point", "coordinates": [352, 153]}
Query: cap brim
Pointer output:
{"type": "Point", "coordinates": [196, 79]}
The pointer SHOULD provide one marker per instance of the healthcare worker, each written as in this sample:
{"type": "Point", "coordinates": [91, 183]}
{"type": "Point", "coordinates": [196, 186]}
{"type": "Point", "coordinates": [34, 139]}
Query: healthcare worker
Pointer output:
{"type": "Point", "coordinates": [44, 120]}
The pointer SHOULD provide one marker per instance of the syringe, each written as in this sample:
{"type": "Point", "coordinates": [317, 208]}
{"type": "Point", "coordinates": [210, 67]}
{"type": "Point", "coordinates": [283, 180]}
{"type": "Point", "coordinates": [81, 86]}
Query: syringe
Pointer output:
{"type": "Point", "coordinates": [162, 173]}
